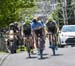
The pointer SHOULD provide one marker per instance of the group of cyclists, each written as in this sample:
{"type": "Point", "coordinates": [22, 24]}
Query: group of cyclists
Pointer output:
{"type": "Point", "coordinates": [33, 29]}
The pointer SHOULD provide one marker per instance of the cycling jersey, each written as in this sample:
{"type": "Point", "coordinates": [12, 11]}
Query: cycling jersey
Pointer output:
{"type": "Point", "coordinates": [27, 29]}
{"type": "Point", "coordinates": [37, 25]}
{"type": "Point", "coordinates": [51, 27]}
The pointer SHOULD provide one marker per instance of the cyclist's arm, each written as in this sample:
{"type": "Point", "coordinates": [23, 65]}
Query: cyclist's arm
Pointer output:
{"type": "Point", "coordinates": [57, 28]}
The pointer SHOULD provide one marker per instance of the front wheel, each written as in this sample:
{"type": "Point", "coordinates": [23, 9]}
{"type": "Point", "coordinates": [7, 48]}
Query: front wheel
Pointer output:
{"type": "Point", "coordinates": [12, 48]}
{"type": "Point", "coordinates": [28, 48]}
{"type": "Point", "coordinates": [53, 49]}
{"type": "Point", "coordinates": [41, 47]}
{"type": "Point", "coordinates": [13, 51]}
{"type": "Point", "coordinates": [41, 53]}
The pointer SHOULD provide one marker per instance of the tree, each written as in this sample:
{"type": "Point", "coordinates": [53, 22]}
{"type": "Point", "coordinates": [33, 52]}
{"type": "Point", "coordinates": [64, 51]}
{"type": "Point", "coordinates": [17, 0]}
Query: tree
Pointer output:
{"type": "Point", "coordinates": [69, 11]}
{"type": "Point", "coordinates": [11, 9]}
{"type": "Point", "coordinates": [61, 10]}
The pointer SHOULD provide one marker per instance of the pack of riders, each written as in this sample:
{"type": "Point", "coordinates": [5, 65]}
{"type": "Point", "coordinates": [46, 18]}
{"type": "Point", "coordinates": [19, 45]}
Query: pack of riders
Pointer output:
{"type": "Point", "coordinates": [31, 29]}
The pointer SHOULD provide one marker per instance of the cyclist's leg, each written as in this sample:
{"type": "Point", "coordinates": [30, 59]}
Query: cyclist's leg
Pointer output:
{"type": "Point", "coordinates": [56, 35]}
{"type": "Point", "coordinates": [50, 40]}
{"type": "Point", "coordinates": [44, 35]}
{"type": "Point", "coordinates": [36, 40]}
{"type": "Point", "coordinates": [43, 41]}
{"type": "Point", "coordinates": [24, 41]}
{"type": "Point", "coordinates": [31, 43]}
{"type": "Point", "coordinates": [27, 42]}
{"type": "Point", "coordinates": [56, 39]}
{"type": "Point", "coordinates": [53, 43]}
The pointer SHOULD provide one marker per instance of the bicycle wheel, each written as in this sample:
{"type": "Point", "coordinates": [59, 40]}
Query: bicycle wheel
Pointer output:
{"type": "Point", "coordinates": [28, 48]}
{"type": "Point", "coordinates": [41, 47]}
{"type": "Point", "coordinates": [53, 49]}
{"type": "Point", "coordinates": [53, 45]}
{"type": "Point", "coordinates": [12, 47]}
{"type": "Point", "coordinates": [41, 53]}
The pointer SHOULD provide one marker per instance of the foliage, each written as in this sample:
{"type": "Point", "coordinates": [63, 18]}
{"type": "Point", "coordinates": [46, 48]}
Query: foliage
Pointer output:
{"type": "Point", "coordinates": [11, 9]}
{"type": "Point", "coordinates": [57, 14]}
{"type": "Point", "coordinates": [69, 10]}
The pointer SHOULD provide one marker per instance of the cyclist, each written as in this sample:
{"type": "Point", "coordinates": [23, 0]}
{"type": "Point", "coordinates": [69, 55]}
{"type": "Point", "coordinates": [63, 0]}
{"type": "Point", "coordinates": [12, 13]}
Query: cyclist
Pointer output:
{"type": "Point", "coordinates": [37, 28]}
{"type": "Point", "coordinates": [14, 27]}
{"type": "Point", "coordinates": [27, 33]}
{"type": "Point", "coordinates": [12, 37]}
{"type": "Point", "coordinates": [52, 28]}
{"type": "Point", "coordinates": [11, 31]}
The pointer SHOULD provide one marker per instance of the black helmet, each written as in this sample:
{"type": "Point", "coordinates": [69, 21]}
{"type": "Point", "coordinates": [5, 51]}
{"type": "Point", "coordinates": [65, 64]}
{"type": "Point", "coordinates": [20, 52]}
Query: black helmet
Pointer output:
{"type": "Point", "coordinates": [11, 26]}
{"type": "Point", "coordinates": [34, 20]}
{"type": "Point", "coordinates": [15, 24]}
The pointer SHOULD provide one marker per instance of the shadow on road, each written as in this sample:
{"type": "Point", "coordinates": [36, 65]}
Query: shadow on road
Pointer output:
{"type": "Point", "coordinates": [45, 54]}
{"type": "Point", "coordinates": [30, 57]}
{"type": "Point", "coordinates": [43, 58]}
{"type": "Point", "coordinates": [34, 53]}
{"type": "Point", "coordinates": [57, 55]}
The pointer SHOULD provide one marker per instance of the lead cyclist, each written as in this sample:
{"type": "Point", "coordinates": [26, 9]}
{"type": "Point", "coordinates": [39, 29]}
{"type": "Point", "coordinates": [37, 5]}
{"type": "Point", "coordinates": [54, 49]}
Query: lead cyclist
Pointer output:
{"type": "Point", "coordinates": [37, 28]}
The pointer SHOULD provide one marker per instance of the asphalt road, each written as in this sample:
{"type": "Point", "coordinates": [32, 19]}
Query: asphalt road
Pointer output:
{"type": "Point", "coordinates": [64, 57]}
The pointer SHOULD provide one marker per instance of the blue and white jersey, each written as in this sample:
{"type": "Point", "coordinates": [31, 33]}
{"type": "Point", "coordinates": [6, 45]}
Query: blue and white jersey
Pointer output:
{"type": "Point", "coordinates": [36, 25]}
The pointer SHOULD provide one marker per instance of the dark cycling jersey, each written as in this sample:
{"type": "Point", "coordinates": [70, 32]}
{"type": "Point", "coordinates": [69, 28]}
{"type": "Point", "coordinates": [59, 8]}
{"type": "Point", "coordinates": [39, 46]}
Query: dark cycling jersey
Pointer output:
{"type": "Point", "coordinates": [51, 27]}
{"type": "Point", "coordinates": [27, 29]}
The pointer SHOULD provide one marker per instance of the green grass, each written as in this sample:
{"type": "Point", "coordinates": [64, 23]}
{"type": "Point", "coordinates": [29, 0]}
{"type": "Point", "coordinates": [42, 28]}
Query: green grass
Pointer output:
{"type": "Point", "coordinates": [18, 50]}
{"type": "Point", "coordinates": [2, 52]}
{"type": "Point", "coordinates": [23, 48]}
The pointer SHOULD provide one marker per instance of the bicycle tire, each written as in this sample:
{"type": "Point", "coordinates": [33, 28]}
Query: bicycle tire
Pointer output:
{"type": "Point", "coordinates": [41, 54]}
{"type": "Point", "coordinates": [53, 49]}
{"type": "Point", "coordinates": [41, 47]}
{"type": "Point", "coordinates": [53, 46]}
{"type": "Point", "coordinates": [28, 48]}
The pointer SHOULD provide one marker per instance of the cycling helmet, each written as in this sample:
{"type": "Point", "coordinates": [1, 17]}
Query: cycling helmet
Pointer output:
{"type": "Point", "coordinates": [31, 17]}
{"type": "Point", "coordinates": [15, 24]}
{"type": "Point", "coordinates": [35, 19]}
{"type": "Point", "coordinates": [27, 22]}
{"type": "Point", "coordinates": [50, 19]}
{"type": "Point", "coordinates": [11, 26]}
